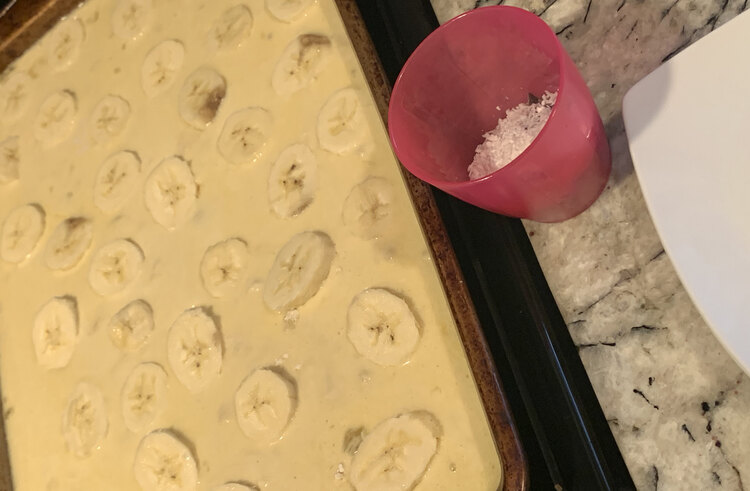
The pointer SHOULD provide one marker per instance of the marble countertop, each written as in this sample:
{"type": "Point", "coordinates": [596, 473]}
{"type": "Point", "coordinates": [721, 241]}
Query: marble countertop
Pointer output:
{"type": "Point", "coordinates": [677, 404]}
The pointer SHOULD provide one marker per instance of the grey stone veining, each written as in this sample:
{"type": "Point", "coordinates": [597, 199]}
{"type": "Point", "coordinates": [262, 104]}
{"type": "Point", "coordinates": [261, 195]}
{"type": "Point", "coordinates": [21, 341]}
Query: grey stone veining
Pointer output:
{"type": "Point", "coordinates": [677, 403]}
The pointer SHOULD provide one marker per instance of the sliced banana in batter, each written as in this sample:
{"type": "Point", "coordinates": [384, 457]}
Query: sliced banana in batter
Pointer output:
{"type": "Point", "coordinates": [170, 193]}
{"type": "Point", "coordinates": [245, 134]}
{"type": "Point", "coordinates": [342, 127]}
{"type": "Point", "coordinates": [130, 328]}
{"type": "Point", "coordinates": [55, 332]}
{"type": "Point", "coordinates": [15, 92]}
{"type": "Point", "coordinates": [115, 266]}
{"type": "Point", "coordinates": [56, 118]}
{"type": "Point", "coordinates": [298, 270]}
{"type": "Point", "coordinates": [85, 420]}
{"type": "Point", "coordinates": [301, 63]}
{"type": "Point", "coordinates": [10, 160]}
{"type": "Point", "coordinates": [144, 396]}
{"type": "Point", "coordinates": [293, 181]}
{"type": "Point", "coordinates": [224, 267]}
{"type": "Point", "coordinates": [132, 18]}
{"type": "Point", "coordinates": [22, 229]}
{"type": "Point", "coordinates": [194, 349]}
{"type": "Point", "coordinates": [231, 28]}
{"type": "Point", "coordinates": [382, 327]}
{"type": "Point", "coordinates": [161, 66]}
{"type": "Point", "coordinates": [164, 463]}
{"type": "Point", "coordinates": [287, 10]}
{"type": "Point", "coordinates": [68, 243]}
{"type": "Point", "coordinates": [116, 181]}
{"type": "Point", "coordinates": [396, 453]}
{"type": "Point", "coordinates": [64, 43]}
{"type": "Point", "coordinates": [265, 403]}
{"type": "Point", "coordinates": [201, 96]}
{"type": "Point", "coordinates": [109, 118]}
{"type": "Point", "coordinates": [368, 208]}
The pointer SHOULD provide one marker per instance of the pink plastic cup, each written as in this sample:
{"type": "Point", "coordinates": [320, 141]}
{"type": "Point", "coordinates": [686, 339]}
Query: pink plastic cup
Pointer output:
{"type": "Point", "coordinates": [447, 96]}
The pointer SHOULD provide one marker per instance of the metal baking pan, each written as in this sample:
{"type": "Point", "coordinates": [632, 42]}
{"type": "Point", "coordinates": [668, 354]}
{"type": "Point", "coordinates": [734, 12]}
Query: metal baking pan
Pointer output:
{"type": "Point", "coordinates": [22, 23]}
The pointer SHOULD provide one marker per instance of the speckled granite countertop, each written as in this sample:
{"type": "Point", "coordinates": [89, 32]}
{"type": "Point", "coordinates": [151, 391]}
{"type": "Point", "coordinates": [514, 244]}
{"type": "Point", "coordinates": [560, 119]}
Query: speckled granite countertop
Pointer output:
{"type": "Point", "coordinates": [678, 405]}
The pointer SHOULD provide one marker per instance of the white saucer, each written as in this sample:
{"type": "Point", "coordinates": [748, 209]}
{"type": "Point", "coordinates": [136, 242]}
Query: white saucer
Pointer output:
{"type": "Point", "coordinates": [688, 124]}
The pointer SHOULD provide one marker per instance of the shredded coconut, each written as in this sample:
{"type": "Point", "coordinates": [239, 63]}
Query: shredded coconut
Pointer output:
{"type": "Point", "coordinates": [513, 134]}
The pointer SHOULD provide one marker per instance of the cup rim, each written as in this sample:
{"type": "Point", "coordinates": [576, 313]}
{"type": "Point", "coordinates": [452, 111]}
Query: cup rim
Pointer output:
{"type": "Point", "coordinates": [461, 18]}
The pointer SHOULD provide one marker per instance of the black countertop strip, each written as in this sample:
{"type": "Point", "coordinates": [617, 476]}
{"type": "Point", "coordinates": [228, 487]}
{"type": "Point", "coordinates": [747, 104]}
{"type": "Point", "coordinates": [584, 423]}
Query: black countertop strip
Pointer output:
{"type": "Point", "coordinates": [565, 435]}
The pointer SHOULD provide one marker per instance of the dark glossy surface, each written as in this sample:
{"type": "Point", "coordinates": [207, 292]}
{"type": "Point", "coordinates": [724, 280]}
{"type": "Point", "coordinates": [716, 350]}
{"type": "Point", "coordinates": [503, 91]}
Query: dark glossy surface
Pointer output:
{"type": "Point", "coordinates": [566, 438]}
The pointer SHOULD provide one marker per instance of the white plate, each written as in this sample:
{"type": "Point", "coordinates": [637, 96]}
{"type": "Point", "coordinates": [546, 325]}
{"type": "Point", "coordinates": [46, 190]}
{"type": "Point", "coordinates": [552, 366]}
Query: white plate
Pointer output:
{"type": "Point", "coordinates": [688, 124]}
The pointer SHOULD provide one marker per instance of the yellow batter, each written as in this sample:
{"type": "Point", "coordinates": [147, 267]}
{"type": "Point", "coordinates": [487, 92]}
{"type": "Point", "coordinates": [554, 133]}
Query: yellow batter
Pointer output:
{"type": "Point", "coordinates": [338, 388]}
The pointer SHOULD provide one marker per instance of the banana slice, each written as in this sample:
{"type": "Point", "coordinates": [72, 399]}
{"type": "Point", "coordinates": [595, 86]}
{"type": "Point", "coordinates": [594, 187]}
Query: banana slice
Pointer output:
{"type": "Point", "coordinates": [396, 453]}
{"type": "Point", "coordinates": [85, 420]}
{"type": "Point", "coordinates": [301, 63]}
{"type": "Point", "coordinates": [170, 193]}
{"type": "Point", "coordinates": [21, 232]}
{"type": "Point", "coordinates": [56, 118]}
{"type": "Point", "coordinates": [233, 486]}
{"type": "Point", "coordinates": [368, 209]}
{"type": "Point", "coordinates": [160, 67]}
{"type": "Point", "coordinates": [293, 181]}
{"type": "Point", "coordinates": [194, 349]}
{"type": "Point", "coordinates": [164, 463]}
{"type": "Point", "coordinates": [132, 18]}
{"type": "Point", "coordinates": [68, 243]}
{"type": "Point", "coordinates": [342, 127]}
{"type": "Point", "coordinates": [265, 403]}
{"type": "Point", "coordinates": [201, 96]}
{"type": "Point", "coordinates": [298, 270]}
{"type": "Point", "coordinates": [382, 327]}
{"type": "Point", "coordinates": [14, 96]}
{"type": "Point", "coordinates": [131, 326]}
{"type": "Point", "coordinates": [10, 159]}
{"type": "Point", "coordinates": [109, 118]}
{"type": "Point", "coordinates": [144, 396]}
{"type": "Point", "coordinates": [244, 135]}
{"type": "Point", "coordinates": [231, 28]}
{"type": "Point", "coordinates": [224, 267]}
{"type": "Point", "coordinates": [116, 181]}
{"type": "Point", "coordinates": [55, 332]}
{"type": "Point", "coordinates": [287, 10]}
{"type": "Point", "coordinates": [64, 43]}
{"type": "Point", "coordinates": [115, 266]}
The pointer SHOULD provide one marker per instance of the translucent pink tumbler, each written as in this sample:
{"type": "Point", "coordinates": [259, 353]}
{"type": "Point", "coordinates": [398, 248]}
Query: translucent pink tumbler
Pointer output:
{"type": "Point", "coordinates": [447, 96]}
